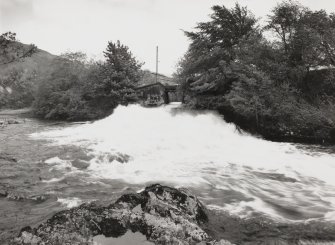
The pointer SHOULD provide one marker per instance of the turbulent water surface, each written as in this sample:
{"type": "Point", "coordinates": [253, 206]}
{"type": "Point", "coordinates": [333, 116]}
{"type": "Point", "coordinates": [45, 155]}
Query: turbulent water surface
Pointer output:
{"type": "Point", "coordinates": [229, 170]}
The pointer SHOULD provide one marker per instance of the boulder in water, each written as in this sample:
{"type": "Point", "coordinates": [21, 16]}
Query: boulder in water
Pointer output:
{"type": "Point", "coordinates": [7, 157]}
{"type": "Point", "coordinates": [164, 215]}
{"type": "Point", "coordinates": [80, 164]}
{"type": "Point", "coordinates": [3, 193]}
{"type": "Point", "coordinates": [13, 121]}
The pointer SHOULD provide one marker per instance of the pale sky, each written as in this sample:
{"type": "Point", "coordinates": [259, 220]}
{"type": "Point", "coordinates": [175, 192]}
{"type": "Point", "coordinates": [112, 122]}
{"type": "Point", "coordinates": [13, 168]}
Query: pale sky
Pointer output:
{"type": "Point", "coordinates": [58, 26]}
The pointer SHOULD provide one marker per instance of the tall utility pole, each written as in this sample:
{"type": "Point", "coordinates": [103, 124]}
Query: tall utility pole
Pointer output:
{"type": "Point", "coordinates": [156, 64]}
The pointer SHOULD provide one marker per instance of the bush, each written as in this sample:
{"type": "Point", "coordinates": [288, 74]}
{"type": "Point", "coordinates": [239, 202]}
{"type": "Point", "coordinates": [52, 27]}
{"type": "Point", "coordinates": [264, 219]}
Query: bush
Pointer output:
{"type": "Point", "coordinates": [17, 88]}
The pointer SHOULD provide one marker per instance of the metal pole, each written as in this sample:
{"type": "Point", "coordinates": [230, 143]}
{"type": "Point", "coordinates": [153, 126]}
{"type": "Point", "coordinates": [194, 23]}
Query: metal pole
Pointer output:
{"type": "Point", "coordinates": [156, 64]}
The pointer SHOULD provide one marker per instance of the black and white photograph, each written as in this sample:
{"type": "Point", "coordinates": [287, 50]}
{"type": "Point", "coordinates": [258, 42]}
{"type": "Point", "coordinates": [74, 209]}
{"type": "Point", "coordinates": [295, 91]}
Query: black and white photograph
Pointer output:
{"type": "Point", "coordinates": [168, 122]}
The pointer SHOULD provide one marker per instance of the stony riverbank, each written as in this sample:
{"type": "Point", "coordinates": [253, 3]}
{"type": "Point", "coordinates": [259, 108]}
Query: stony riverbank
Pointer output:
{"type": "Point", "coordinates": [168, 216]}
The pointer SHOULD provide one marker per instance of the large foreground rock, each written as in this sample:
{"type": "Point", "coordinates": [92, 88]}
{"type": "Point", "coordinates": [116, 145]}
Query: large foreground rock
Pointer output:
{"type": "Point", "coordinates": [165, 215]}
{"type": "Point", "coordinates": [169, 216]}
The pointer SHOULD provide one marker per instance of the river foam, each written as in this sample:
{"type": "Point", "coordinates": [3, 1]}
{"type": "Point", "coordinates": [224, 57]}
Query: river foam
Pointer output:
{"type": "Point", "coordinates": [70, 202]}
{"type": "Point", "coordinates": [202, 150]}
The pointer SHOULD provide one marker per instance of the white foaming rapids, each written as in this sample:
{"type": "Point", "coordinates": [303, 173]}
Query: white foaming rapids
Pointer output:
{"type": "Point", "coordinates": [188, 149]}
{"type": "Point", "coordinates": [70, 202]}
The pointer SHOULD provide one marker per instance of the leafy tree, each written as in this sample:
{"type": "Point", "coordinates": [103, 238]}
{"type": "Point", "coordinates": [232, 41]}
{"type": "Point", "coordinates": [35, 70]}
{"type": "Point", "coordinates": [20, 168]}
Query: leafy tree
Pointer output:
{"type": "Point", "coordinates": [59, 93]}
{"type": "Point", "coordinates": [214, 46]}
{"type": "Point", "coordinates": [227, 28]}
{"type": "Point", "coordinates": [284, 21]}
{"type": "Point", "coordinates": [306, 36]}
{"type": "Point", "coordinates": [75, 57]}
{"type": "Point", "coordinates": [120, 74]}
{"type": "Point", "coordinates": [316, 40]}
{"type": "Point", "coordinates": [17, 89]}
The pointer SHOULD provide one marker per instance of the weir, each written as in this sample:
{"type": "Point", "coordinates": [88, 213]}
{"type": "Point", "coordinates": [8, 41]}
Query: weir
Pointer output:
{"type": "Point", "coordinates": [227, 169]}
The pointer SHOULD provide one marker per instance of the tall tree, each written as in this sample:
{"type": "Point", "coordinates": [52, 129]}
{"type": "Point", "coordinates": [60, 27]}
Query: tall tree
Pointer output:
{"type": "Point", "coordinates": [226, 29]}
{"type": "Point", "coordinates": [284, 21]}
{"type": "Point", "coordinates": [306, 36]}
{"type": "Point", "coordinates": [121, 73]}
{"type": "Point", "coordinates": [214, 45]}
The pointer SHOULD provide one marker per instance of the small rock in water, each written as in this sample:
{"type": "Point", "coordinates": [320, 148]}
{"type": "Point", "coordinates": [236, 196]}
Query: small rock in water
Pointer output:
{"type": "Point", "coordinates": [7, 157]}
{"type": "Point", "coordinates": [80, 164]}
{"type": "Point", "coordinates": [3, 193]}
{"type": "Point", "coordinates": [130, 238]}
{"type": "Point", "coordinates": [119, 157]}
{"type": "Point", "coordinates": [122, 158]}
{"type": "Point", "coordinates": [13, 121]}
{"type": "Point", "coordinates": [16, 196]}
{"type": "Point", "coordinates": [39, 198]}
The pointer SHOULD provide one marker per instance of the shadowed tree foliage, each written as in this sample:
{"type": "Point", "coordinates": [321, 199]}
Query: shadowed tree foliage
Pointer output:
{"type": "Point", "coordinates": [306, 36]}
{"type": "Point", "coordinates": [227, 28]}
{"type": "Point", "coordinates": [16, 89]}
{"type": "Point", "coordinates": [59, 93]}
{"type": "Point", "coordinates": [284, 21]}
{"type": "Point", "coordinates": [215, 45]}
{"type": "Point", "coordinates": [274, 87]}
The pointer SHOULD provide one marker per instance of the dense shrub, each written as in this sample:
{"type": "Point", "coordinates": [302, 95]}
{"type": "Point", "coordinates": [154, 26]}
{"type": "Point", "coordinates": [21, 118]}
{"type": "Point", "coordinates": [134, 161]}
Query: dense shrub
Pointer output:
{"type": "Point", "coordinates": [16, 89]}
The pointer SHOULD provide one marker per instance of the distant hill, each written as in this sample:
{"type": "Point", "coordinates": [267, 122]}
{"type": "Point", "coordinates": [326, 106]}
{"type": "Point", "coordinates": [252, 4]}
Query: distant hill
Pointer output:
{"type": "Point", "coordinates": [39, 62]}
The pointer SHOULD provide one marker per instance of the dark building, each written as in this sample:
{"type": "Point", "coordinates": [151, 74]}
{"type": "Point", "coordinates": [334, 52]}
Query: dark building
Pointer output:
{"type": "Point", "coordinates": [156, 94]}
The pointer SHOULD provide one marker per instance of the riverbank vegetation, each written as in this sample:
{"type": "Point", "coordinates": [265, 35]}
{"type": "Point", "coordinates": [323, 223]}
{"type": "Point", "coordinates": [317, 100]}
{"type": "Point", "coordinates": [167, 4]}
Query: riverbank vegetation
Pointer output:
{"type": "Point", "coordinates": [80, 90]}
{"type": "Point", "coordinates": [275, 79]}
{"type": "Point", "coordinates": [71, 87]}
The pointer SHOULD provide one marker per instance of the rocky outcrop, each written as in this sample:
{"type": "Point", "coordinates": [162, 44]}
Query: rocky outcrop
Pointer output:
{"type": "Point", "coordinates": [168, 216]}
{"type": "Point", "coordinates": [164, 215]}
{"type": "Point", "coordinates": [7, 121]}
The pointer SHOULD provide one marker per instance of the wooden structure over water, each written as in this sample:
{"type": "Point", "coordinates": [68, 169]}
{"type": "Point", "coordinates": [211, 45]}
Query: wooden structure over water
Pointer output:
{"type": "Point", "coordinates": [156, 89]}
{"type": "Point", "coordinates": [157, 94]}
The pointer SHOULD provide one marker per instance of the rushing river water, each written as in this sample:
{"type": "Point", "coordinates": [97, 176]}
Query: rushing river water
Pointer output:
{"type": "Point", "coordinates": [135, 146]}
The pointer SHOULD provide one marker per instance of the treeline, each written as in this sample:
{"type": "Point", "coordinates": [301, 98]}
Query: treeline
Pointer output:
{"type": "Point", "coordinates": [275, 79]}
{"type": "Point", "coordinates": [73, 88]}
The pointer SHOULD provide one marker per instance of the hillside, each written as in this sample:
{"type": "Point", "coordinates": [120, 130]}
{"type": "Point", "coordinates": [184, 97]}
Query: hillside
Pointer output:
{"type": "Point", "coordinates": [150, 77]}
{"type": "Point", "coordinates": [39, 62]}
{"type": "Point", "coordinates": [17, 79]}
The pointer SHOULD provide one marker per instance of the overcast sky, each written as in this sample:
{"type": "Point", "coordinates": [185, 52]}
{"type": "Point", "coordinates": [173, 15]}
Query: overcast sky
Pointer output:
{"type": "Point", "coordinates": [87, 25]}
